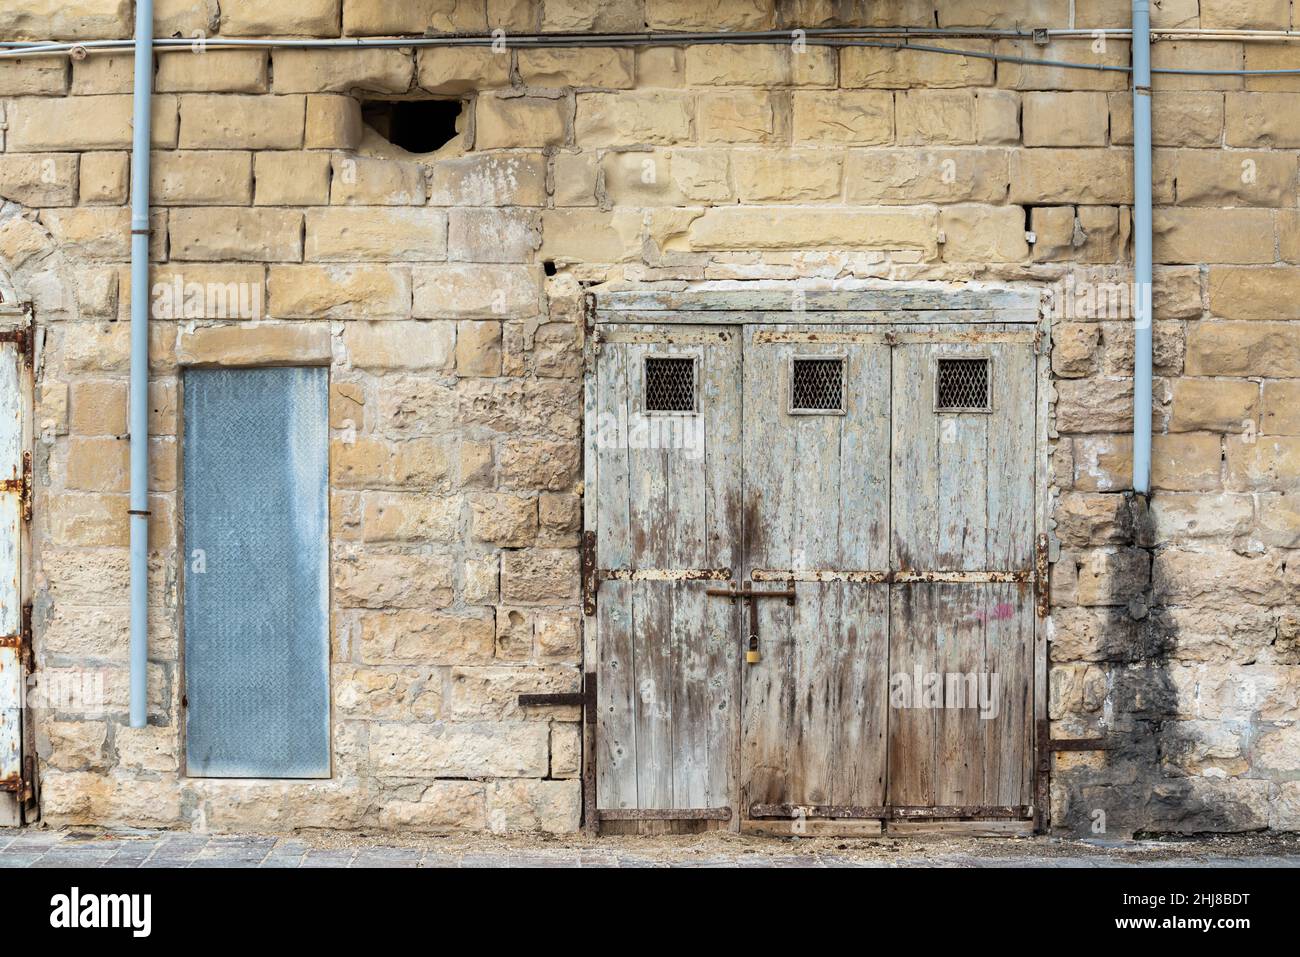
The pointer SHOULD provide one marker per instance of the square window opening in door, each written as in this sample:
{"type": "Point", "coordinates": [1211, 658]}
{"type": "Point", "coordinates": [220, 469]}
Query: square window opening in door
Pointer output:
{"type": "Point", "coordinates": [670, 384]}
{"type": "Point", "coordinates": [963, 384]}
{"type": "Point", "coordinates": [817, 385]}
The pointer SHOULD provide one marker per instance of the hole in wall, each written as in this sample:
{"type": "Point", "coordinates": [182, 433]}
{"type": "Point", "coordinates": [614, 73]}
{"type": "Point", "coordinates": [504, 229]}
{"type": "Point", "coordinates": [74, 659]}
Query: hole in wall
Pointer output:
{"type": "Point", "coordinates": [417, 126]}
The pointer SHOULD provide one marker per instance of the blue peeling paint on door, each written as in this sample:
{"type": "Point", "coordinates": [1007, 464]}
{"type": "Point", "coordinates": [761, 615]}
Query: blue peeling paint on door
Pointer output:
{"type": "Point", "coordinates": [256, 572]}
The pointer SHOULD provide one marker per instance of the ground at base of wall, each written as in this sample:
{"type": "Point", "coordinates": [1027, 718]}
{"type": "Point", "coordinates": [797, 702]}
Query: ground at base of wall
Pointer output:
{"type": "Point", "coordinates": [38, 847]}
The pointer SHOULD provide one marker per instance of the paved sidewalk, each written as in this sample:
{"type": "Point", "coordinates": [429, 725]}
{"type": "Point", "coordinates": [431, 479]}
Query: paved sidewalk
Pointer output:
{"type": "Point", "coordinates": [35, 847]}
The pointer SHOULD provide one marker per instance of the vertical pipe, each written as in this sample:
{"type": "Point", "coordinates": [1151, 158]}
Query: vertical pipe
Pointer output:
{"type": "Point", "coordinates": [139, 392]}
{"type": "Point", "coordinates": [1142, 300]}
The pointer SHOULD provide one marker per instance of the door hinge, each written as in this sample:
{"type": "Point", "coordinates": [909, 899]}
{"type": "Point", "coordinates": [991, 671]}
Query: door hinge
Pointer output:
{"type": "Point", "coordinates": [590, 574]}
{"type": "Point", "coordinates": [1047, 745]}
{"type": "Point", "coordinates": [27, 487]}
{"type": "Point", "coordinates": [22, 486]}
{"type": "Point", "coordinates": [1042, 575]}
{"type": "Point", "coordinates": [24, 339]}
{"type": "Point", "coordinates": [25, 647]}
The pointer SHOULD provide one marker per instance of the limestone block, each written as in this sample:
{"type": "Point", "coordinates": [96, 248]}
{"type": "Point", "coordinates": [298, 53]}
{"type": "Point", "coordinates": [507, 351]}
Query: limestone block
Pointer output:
{"type": "Point", "coordinates": [212, 71]}
{"type": "Point", "coordinates": [741, 117]}
{"type": "Point", "coordinates": [1214, 235]}
{"type": "Point", "coordinates": [291, 178]}
{"type": "Point", "coordinates": [541, 576]}
{"type": "Point", "coordinates": [332, 122]}
{"type": "Point", "coordinates": [455, 71]}
{"type": "Point", "coordinates": [307, 18]}
{"type": "Point", "coordinates": [236, 233]}
{"type": "Point", "coordinates": [625, 119]}
{"type": "Point", "coordinates": [609, 68]}
{"type": "Point", "coordinates": [478, 348]}
{"type": "Point", "coordinates": [495, 749]}
{"type": "Point", "coordinates": [264, 343]}
{"type": "Point", "coordinates": [503, 519]}
{"type": "Point", "coordinates": [352, 233]}
{"type": "Point", "coordinates": [364, 181]}
{"type": "Point", "coordinates": [477, 291]}
{"type": "Point", "coordinates": [41, 124]}
{"type": "Point", "coordinates": [338, 291]}
{"type": "Point", "coordinates": [787, 176]}
{"type": "Point", "coordinates": [371, 580]}
{"type": "Point", "coordinates": [908, 176]}
{"type": "Point", "coordinates": [235, 121]}
{"type": "Point", "coordinates": [1243, 349]}
{"type": "Point", "coordinates": [66, 19]}
{"type": "Point", "coordinates": [490, 235]}
{"type": "Point", "coordinates": [520, 121]}
{"type": "Point", "coordinates": [104, 178]}
{"type": "Point", "coordinates": [39, 179]}
{"type": "Point", "coordinates": [376, 70]}
{"type": "Point", "coordinates": [415, 345]}
{"type": "Point", "coordinates": [201, 178]}
{"type": "Point", "coordinates": [500, 179]}
{"type": "Point", "coordinates": [1065, 118]}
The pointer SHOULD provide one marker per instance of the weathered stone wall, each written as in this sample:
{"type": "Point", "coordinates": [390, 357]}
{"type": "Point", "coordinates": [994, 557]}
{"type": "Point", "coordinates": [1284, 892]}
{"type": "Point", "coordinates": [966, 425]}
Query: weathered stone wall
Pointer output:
{"type": "Point", "coordinates": [445, 293]}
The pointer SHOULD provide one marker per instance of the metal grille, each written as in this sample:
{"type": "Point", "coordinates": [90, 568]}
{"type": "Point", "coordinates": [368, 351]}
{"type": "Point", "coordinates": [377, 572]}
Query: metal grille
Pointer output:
{"type": "Point", "coordinates": [817, 385]}
{"type": "Point", "coordinates": [963, 385]}
{"type": "Point", "coordinates": [256, 608]}
{"type": "Point", "coordinates": [670, 385]}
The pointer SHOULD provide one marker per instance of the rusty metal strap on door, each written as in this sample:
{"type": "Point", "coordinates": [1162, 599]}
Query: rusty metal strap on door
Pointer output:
{"type": "Point", "coordinates": [665, 814]}
{"type": "Point", "coordinates": [905, 577]}
{"type": "Point", "coordinates": [890, 812]}
{"type": "Point", "coordinates": [593, 576]}
{"type": "Point", "coordinates": [894, 337]}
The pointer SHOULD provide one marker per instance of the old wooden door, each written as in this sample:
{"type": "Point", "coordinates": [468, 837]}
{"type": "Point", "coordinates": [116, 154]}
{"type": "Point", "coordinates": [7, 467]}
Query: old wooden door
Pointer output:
{"type": "Point", "coordinates": [962, 551]}
{"type": "Point", "coordinates": [665, 434]}
{"type": "Point", "coordinates": [817, 493]}
{"type": "Point", "coordinates": [815, 563]}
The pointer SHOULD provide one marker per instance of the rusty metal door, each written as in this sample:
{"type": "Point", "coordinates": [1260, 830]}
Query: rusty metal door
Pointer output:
{"type": "Point", "coordinates": [962, 549]}
{"type": "Point", "coordinates": [664, 439]}
{"type": "Point", "coordinates": [817, 492]}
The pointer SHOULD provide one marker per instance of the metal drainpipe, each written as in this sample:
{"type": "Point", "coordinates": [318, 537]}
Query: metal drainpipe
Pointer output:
{"type": "Point", "coordinates": [139, 393]}
{"type": "Point", "coordinates": [1142, 298]}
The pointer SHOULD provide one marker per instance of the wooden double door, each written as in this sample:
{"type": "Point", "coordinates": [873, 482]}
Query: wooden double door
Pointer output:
{"type": "Point", "coordinates": [815, 552]}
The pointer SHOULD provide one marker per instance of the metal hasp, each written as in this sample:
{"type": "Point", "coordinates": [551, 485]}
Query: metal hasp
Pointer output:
{"type": "Point", "coordinates": [138, 513]}
{"type": "Point", "coordinates": [1046, 744]}
{"type": "Point", "coordinates": [752, 653]}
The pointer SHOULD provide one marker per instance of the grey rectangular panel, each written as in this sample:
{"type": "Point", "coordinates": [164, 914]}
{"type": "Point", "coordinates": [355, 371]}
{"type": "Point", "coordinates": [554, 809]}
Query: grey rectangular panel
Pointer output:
{"type": "Point", "coordinates": [256, 451]}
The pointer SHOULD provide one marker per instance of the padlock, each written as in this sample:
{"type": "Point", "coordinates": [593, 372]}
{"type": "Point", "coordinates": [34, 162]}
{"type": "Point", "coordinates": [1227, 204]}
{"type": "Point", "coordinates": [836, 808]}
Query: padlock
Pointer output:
{"type": "Point", "coordinates": [752, 656]}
